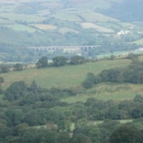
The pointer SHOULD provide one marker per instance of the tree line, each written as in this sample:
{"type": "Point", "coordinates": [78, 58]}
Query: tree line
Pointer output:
{"type": "Point", "coordinates": [60, 61]}
{"type": "Point", "coordinates": [130, 74]}
{"type": "Point", "coordinates": [26, 108]}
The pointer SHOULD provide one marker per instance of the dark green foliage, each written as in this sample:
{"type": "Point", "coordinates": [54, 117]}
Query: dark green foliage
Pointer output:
{"type": "Point", "coordinates": [13, 116]}
{"type": "Point", "coordinates": [18, 67]}
{"type": "Point", "coordinates": [42, 62]}
{"type": "Point", "coordinates": [89, 81]}
{"type": "Point", "coordinates": [16, 91]}
{"type": "Point", "coordinates": [75, 60]}
{"type": "Point", "coordinates": [132, 56]}
{"type": "Point", "coordinates": [63, 137]}
{"type": "Point", "coordinates": [31, 136]}
{"type": "Point", "coordinates": [22, 118]}
{"type": "Point", "coordinates": [138, 98]}
{"type": "Point", "coordinates": [80, 138]}
{"type": "Point", "coordinates": [1, 79]}
{"type": "Point", "coordinates": [132, 74]}
{"type": "Point", "coordinates": [35, 117]}
{"type": "Point", "coordinates": [126, 134]}
{"type": "Point", "coordinates": [34, 87]}
{"type": "Point", "coordinates": [5, 131]}
{"type": "Point", "coordinates": [59, 61]}
{"type": "Point", "coordinates": [4, 68]}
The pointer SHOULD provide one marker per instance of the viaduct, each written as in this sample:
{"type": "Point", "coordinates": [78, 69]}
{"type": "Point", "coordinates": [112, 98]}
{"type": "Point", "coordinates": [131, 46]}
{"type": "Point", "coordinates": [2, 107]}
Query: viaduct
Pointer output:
{"type": "Point", "coordinates": [64, 49]}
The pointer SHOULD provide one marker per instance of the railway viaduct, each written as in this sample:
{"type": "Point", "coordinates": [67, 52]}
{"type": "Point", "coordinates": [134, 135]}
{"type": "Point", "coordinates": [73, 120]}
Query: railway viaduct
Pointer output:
{"type": "Point", "coordinates": [64, 49]}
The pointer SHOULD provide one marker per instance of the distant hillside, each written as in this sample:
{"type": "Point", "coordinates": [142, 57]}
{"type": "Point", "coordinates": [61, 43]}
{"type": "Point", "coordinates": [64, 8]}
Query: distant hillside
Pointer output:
{"type": "Point", "coordinates": [27, 23]}
{"type": "Point", "coordinates": [127, 10]}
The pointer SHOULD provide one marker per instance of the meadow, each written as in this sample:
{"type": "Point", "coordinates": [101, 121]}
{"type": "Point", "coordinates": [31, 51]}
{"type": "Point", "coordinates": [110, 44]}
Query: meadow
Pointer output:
{"type": "Point", "coordinates": [71, 76]}
{"type": "Point", "coordinates": [63, 77]}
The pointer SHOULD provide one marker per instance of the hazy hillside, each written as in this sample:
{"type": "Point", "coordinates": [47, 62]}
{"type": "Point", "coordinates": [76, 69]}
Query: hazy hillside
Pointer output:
{"type": "Point", "coordinates": [127, 10]}
{"type": "Point", "coordinates": [27, 23]}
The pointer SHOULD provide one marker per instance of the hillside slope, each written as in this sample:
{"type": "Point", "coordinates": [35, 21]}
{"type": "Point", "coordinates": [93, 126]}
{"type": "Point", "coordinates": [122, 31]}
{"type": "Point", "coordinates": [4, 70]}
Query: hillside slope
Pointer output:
{"type": "Point", "coordinates": [39, 23]}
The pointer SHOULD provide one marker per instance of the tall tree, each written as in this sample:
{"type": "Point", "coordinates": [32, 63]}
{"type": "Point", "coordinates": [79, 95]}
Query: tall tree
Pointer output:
{"type": "Point", "coordinates": [42, 62]}
{"type": "Point", "coordinates": [59, 61]}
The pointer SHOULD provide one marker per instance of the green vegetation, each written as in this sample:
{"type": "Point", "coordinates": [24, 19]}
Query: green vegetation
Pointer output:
{"type": "Point", "coordinates": [31, 24]}
{"type": "Point", "coordinates": [68, 97]}
{"type": "Point", "coordinates": [60, 76]}
{"type": "Point", "coordinates": [57, 110]}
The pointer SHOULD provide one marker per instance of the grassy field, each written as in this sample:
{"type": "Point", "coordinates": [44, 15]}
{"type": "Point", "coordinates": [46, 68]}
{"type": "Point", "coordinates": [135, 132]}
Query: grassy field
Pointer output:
{"type": "Point", "coordinates": [96, 17]}
{"type": "Point", "coordinates": [67, 16]}
{"type": "Point", "coordinates": [64, 30]}
{"type": "Point", "coordinates": [21, 27]}
{"type": "Point", "coordinates": [139, 42]}
{"type": "Point", "coordinates": [87, 25]}
{"type": "Point", "coordinates": [73, 76]}
{"type": "Point", "coordinates": [67, 76]}
{"type": "Point", "coordinates": [22, 17]}
{"type": "Point", "coordinates": [45, 26]}
{"type": "Point", "coordinates": [107, 91]}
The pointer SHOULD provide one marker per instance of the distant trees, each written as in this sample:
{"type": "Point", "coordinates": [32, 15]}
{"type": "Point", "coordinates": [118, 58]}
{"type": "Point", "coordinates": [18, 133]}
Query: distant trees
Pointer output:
{"type": "Point", "coordinates": [18, 67]}
{"type": "Point", "coordinates": [75, 60]}
{"type": "Point", "coordinates": [15, 91]}
{"type": "Point", "coordinates": [89, 80]}
{"type": "Point", "coordinates": [126, 134]}
{"type": "Point", "coordinates": [42, 62]}
{"type": "Point", "coordinates": [30, 107]}
{"type": "Point", "coordinates": [132, 74]}
{"type": "Point", "coordinates": [4, 68]}
{"type": "Point", "coordinates": [59, 61]}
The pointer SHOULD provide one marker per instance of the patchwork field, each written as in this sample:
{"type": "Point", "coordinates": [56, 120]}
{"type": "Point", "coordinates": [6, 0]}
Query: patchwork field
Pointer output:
{"type": "Point", "coordinates": [65, 30]}
{"type": "Point", "coordinates": [96, 27]}
{"type": "Point", "coordinates": [45, 26]}
{"type": "Point", "coordinates": [22, 17]}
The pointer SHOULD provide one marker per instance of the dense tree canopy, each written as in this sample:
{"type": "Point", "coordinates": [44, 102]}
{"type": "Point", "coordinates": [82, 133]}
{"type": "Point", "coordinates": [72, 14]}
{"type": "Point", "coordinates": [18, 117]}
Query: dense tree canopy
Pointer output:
{"type": "Point", "coordinates": [42, 62]}
{"type": "Point", "coordinates": [59, 61]}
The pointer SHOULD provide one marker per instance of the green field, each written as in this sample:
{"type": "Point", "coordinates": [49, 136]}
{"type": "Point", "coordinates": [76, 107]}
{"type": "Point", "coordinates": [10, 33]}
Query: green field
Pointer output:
{"type": "Point", "coordinates": [67, 16]}
{"type": "Point", "coordinates": [22, 17]}
{"type": "Point", "coordinates": [21, 27]}
{"type": "Point", "coordinates": [96, 17]}
{"type": "Point", "coordinates": [67, 76]}
{"type": "Point", "coordinates": [73, 76]}
{"type": "Point", "coordinates": [139, 42]}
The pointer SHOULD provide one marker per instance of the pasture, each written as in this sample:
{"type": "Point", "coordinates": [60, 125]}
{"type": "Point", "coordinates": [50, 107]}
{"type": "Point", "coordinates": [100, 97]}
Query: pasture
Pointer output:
{"type": "Point", "coordinates": [45, 26]}
{"type": "Point", "coordinates": [22, 17]}
{"type": "Point", "coordinates": [72, 76]}
{"type": "Point", "coordinates": [67, 16]}
{"type": "Point", "coordinates": [139, 42]}
{"type": "Point", "coordinates": [63, 77]}
{"type": "Point", "coordinates": [87, 25]}
{"type": "Point", "coordinates": [92, 16]}
{"type": "Point", "coordinates": [21, 27]}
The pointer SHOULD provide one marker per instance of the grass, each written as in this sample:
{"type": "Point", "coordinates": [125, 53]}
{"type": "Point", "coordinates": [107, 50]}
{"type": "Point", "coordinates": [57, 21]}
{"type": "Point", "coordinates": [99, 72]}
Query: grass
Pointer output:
{"type": "Point", "coordinates": [106, 91]}
{"type": "Point", "coordinates": [21, 27]}
{"type": "Point", "coordinates": [88, 25]}
{"type": "Point", "coordinates": [67, 16]}
{"type": "Point", "coordinates": [100, 122]}
{"type": "Point", "coordinates": [139, 42]}
{"type": "Point", "coordinates": [45, 26]}
{"type": "Point", "coordinates": [73, 76]}
{"type": "Point", "coordinates": [67, 76]}
{"type": "Point", "coordinates": [22, 17]}
{"type": "Point", "coordinates": [96, 17]}
{"type": "Point", "coordinates": [65, 30]}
